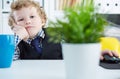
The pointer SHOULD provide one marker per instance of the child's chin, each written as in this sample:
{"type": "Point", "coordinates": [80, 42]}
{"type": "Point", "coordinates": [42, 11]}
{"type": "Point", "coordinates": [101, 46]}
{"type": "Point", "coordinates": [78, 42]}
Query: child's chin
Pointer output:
{"type": "Point", "coordinates": [32, 35]}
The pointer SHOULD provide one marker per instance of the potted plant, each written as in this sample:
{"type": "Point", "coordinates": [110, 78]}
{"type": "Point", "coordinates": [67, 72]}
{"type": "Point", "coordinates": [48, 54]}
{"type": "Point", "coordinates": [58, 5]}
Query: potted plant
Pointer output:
{"type": "Point", "coordinates": [79, 33]}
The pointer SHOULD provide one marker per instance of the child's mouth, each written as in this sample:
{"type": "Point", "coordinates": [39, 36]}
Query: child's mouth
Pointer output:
{"type": "Point", "coordinates": [28, 27]}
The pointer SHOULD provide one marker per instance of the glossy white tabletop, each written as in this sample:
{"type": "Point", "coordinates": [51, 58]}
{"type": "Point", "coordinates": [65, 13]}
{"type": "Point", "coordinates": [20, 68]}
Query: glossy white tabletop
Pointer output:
{"type": "Point", "coordinates": [47, 69]}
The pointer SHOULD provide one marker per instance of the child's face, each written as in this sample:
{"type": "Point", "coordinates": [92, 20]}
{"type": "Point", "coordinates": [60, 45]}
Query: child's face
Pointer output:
{"type": "Point", "coordinates": [29, 18]}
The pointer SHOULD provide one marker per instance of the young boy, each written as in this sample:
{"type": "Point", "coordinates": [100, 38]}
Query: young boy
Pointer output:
{"type": "Point", "coordinates": [27, 20]}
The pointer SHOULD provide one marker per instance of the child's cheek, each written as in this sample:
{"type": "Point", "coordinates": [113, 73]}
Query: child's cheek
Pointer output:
{"type": "Point", "coordinates": [20, 24]}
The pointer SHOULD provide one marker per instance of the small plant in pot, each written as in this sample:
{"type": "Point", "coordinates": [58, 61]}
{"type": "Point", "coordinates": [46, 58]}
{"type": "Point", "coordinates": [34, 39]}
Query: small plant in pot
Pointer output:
{"type": "Point", "coordinates": [79, 34]}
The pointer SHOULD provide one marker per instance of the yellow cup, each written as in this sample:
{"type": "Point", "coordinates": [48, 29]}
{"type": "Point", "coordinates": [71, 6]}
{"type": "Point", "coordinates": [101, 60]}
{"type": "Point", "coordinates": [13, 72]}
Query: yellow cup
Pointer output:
{"type": "Point", "coordinates": [110, 43]}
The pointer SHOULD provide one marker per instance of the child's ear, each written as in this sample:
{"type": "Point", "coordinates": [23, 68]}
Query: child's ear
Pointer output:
{"type": "Point", "coordinates": [43, 22]}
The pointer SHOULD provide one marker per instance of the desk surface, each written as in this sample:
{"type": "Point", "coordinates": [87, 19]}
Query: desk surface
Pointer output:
{"type": "Point", "coordinates": [47, 69]}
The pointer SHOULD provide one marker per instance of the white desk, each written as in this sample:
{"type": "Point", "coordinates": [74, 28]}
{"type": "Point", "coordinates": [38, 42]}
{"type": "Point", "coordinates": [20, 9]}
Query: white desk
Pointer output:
{"type": "Point", "coordinates": [46, 69]}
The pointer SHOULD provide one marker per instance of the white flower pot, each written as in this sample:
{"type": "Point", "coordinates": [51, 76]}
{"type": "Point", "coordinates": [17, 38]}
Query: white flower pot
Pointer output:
{"type": "Point", "coordinates": [81, 60]}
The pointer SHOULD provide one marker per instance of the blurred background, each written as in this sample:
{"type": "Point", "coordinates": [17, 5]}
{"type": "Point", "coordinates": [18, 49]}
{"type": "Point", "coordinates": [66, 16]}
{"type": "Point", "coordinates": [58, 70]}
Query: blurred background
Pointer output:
{"type": "Point", "coordinates": [53, 9]}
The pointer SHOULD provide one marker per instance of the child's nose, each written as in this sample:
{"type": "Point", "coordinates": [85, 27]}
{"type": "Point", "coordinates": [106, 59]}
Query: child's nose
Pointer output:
{"type": "Point", "coordinates": [28, 21]}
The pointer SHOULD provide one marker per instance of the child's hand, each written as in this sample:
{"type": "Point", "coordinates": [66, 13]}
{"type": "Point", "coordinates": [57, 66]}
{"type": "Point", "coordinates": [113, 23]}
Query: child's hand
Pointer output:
{"type": "Point", "coordinates": [111, 53]}
{"type": "Point", "coordinates": [21, 32]}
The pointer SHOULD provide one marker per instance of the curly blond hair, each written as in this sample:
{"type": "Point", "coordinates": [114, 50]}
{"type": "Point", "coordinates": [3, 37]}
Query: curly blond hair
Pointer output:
{"type": "Point", "coordinates": [17, 5]}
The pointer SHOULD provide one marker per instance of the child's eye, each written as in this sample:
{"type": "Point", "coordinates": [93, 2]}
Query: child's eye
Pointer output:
{"type": "Point", "coordinates": [32, 16]}
{"type": "Point", "coordinates": [20, 19]}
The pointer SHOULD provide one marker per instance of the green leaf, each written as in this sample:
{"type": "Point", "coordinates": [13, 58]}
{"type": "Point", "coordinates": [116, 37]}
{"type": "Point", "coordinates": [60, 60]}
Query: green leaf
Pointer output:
{"type": "Point", "coordinates": [83, 25]}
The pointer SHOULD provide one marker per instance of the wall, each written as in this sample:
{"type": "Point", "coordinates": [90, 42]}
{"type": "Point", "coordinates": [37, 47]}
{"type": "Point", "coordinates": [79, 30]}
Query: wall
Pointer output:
{"type": "Point", "coordinates": [4, 12]}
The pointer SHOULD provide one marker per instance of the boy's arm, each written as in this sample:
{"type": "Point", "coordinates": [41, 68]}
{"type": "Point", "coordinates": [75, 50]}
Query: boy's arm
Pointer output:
{"type": "Point", "coordinates": [17, 51]}
{"type": "Point", "coordinates": [16, 54]}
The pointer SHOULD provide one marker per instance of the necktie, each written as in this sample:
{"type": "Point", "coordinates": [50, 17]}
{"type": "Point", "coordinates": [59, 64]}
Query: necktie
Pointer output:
{"type": "Point", "coordinates": [36, 43]}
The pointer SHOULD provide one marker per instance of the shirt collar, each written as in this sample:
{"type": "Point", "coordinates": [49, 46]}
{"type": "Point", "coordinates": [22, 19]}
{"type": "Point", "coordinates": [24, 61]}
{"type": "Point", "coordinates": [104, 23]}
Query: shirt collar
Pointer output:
{"type": "Point", "coordinates": [40, 34]}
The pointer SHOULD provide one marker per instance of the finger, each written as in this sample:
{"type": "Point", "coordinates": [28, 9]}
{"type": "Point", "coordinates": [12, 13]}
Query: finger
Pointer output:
{"type": "Point", "coordinates": [14, 29]}
{"type": "Point", "coordinates": [14, 24]}
{"type": "Point", "coordinates": [115, 53]}
{"type": "Point", "coordinates": [107, 52]}
{"type": "Point", "coordinates": [101, 57]}
{"type": "Point", "coordinates": [17, 26]}
{"type": "Point", "coordinates": [110, 53]}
